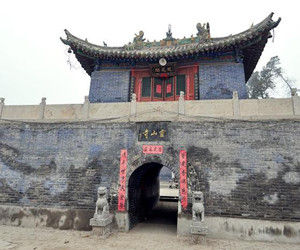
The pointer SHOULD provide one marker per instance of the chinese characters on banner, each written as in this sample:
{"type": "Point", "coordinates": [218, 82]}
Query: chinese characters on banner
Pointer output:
{"type": "Point", "coordinates": [183, 178]}
{"type": "Point", "coordinates": [122, 184]}
{"type": "Point", "coordinates": [153, 149]}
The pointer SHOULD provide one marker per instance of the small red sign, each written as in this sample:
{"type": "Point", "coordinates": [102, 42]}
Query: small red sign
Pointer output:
{"type": "Point", "coordinates": [153, 149]}
{"type": "Point", "coordinates": [158, 89]}
{"type": "Point", "coordinates": [169, 88]}
{"type": "Point", "coordinates": [183, 178]}
{"type": "Point", "coordinates": [122, 180]}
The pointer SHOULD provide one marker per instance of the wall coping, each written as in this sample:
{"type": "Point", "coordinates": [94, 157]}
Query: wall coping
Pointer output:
{"type": "Point", "coordinates": [181, 110]}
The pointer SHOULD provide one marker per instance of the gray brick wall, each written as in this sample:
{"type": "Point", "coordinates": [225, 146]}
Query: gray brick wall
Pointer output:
{"type": "Point", "coordinates": [109, 86]}
{"type": "Point", "coordinates": [219, 80]}
{"type": "Point", "coordinates": [247, 169]}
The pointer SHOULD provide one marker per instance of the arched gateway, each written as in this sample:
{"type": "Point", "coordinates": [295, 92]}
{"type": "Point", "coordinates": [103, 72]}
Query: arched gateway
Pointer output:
{"type": "Point", "coordinates": [139, 183]}
{"type": "Point", "coordinates": [143, 192]}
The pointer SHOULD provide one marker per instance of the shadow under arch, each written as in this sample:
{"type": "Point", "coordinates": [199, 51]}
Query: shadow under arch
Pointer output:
{"type": "Point", "coordinates": [168, 159]}
{"type": "Point", "coordinates": [143, 191]}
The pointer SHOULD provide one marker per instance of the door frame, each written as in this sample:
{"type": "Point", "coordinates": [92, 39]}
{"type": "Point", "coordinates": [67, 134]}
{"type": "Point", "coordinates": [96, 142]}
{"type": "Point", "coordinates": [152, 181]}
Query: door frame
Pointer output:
{"type": "Point", "coordinates": [189, 71]}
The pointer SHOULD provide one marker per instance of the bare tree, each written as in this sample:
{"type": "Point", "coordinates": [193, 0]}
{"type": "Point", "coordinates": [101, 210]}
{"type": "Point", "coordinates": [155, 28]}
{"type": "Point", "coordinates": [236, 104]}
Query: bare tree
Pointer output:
{"type": "Point", "coordinates": [262, 81]}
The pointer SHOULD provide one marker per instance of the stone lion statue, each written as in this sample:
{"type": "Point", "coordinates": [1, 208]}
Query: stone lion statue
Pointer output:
{"type": "Point", "coordinates": [102, 206]}
{"type": "Point", "coordinates": [198, 207]}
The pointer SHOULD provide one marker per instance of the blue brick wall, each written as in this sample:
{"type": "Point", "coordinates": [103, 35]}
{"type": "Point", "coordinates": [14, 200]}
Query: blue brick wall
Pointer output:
{"type": "Point", "coordinates": [219, 80]}
{"type": "Point", "coordinates": [109, 86]}
{"type": "Point", "coordinates": [242, 167]}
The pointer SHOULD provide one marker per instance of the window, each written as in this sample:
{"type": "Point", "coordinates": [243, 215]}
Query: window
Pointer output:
{"type": "Point", "coordinates": [146, 87]}
{"type": "Point", "coordinates": [180, 84]}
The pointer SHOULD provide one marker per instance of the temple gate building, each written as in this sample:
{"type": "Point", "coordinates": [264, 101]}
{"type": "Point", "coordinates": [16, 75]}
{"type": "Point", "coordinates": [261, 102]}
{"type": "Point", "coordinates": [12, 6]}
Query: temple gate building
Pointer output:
{"type": "Point", "coordinates": [175, 103]}
{"type": "Point", "coordinates": [201, 66]}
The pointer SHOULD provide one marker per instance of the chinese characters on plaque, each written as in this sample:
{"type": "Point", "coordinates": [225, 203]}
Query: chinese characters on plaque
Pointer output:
{"type": "Point", "coordinates": [155, 131]}
{"type": "Point", "coordinates": [122, 178]}
{"type": "Point", "coordinates": [163, 71]}
{"type": "Point", "coordinates": [183, 178]}
{"type": "Point", "coordinates": [153, 149]}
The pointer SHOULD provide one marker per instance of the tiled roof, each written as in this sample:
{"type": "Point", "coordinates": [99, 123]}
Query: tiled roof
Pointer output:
{"type": "Point", "coordinates": [250, 41]}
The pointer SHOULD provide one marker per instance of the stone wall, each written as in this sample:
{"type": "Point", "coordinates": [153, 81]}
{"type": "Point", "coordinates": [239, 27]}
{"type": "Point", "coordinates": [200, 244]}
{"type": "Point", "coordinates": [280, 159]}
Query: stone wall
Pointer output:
{"type": "Point", "coordinates": [245, 169]}
{"type": "Point", "coordinates": [109, 86]}
{"type": "Point", "coordinates": [219, 80]}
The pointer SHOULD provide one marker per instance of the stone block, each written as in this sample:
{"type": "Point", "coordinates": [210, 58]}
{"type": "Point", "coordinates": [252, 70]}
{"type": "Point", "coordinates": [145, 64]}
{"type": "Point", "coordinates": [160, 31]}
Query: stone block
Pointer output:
{"type": "Point", "coordinates": [102, 232]}
{"type": "Point", "coordinates": [199, 228]}
{"type": "Point", "coordinates": [184, 226]}
{"type": "Point", "coordinates": [101, 221]}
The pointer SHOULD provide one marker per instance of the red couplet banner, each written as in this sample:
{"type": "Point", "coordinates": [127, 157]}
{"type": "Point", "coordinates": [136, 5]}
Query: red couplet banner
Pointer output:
{"type": "Point", "coordinates": [183, 179]}
{"type": "Point", "coordinates": [122, 184]}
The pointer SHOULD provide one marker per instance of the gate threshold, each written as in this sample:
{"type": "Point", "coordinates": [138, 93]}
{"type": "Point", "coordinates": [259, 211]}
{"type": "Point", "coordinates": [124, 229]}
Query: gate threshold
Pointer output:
{"type": "Point", "coordinates": [168, 198]}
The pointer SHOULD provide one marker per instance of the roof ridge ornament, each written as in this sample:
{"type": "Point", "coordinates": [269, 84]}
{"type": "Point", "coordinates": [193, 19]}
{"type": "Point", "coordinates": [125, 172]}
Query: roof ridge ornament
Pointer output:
{"type": "Point", "coordinates": [251, 43]}
{"type": "Point", "coordinates": [169, 34]}
{"type": "Point", "coordinates": [139, 38]}
{"type": "Point", "coordinates": [203, 32]}
{"type": "Point", "coordinates": [138, 41]}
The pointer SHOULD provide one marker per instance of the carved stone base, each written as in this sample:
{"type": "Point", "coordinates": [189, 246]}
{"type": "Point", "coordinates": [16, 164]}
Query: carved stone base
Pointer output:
{"type": "Point", "coordinates": [199, 228]}
{"type": "Point", "coordinates": [102, 232]}
{"type": "Point", "coordinates": [101, 221]}
{"type": "Point", "coordinates": [102, 225]}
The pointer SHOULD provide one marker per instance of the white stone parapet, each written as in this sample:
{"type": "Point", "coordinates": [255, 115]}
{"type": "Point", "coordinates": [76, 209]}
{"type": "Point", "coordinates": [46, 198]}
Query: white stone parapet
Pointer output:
{"type": "Point", "coordinates": [42, 108]}
{"type": "Point", "coordinates": [1, 106]}
{"type": "Point", "coordinates": [181, 103]}
{"type": "Point", "coordinates": [188, 110]}
{"type": "Point", "coordinates": [133, 105]}
{"type": "Point", "coordinates": [235, 104]}
{"type": "Point", "coordinates": [296, 105]}
{"type": "Point", "coordinates": [86, 107]}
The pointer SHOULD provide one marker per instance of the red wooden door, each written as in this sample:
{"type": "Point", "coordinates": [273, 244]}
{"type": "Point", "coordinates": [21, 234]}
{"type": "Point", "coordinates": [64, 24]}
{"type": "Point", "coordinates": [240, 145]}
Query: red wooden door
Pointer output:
{"type": "Point", "coordinates": [169, 89]}
{"type": "Point", "coordinates": [149, 88]}
{"type": "Point", "coordinates": [163, 89]}
{"type": "Point", "coordinates": [185, 82]}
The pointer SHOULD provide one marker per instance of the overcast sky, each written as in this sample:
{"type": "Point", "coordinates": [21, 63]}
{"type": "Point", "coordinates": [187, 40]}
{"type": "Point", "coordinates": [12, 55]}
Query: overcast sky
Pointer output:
{"type": "Point", "coordinates": [33, 60]}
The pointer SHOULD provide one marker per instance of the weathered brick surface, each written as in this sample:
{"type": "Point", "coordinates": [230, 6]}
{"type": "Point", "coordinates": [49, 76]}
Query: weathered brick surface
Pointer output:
{"type": "Point", "coordinates": [247, 169]}
{"type": "Point", "coordinates": [109, 86]}
{"type": "Point", "coordinates": [219, 80]}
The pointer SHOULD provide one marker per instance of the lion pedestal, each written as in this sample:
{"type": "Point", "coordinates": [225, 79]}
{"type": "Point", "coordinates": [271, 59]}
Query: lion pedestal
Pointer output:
{"type": "Point", "coordinates": [198, 226]}
{"type": "Point", "coordinates": [102, 220]}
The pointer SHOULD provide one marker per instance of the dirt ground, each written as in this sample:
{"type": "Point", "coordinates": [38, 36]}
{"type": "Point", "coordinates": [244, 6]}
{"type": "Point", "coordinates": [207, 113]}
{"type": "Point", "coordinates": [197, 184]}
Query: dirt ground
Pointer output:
{"type": "Point", "coordinates": [143, 236]}
{"type": "Point", "coordinates": [158, 232]}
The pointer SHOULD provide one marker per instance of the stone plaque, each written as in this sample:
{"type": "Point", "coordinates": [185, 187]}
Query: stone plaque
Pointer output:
{"type": "Point", "coordinates": [153, 131]}
{"type": "Point", "coordinates": [163, 71]}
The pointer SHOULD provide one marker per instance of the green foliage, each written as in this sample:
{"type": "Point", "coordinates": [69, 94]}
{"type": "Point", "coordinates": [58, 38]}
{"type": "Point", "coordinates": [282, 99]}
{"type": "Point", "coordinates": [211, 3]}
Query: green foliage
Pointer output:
{"type": "Point", "coordinates": [262, 81]}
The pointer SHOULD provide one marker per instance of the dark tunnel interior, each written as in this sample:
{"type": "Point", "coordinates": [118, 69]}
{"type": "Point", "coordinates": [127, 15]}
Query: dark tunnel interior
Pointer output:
{"type": "Point", "coordinates": [143, 194]}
